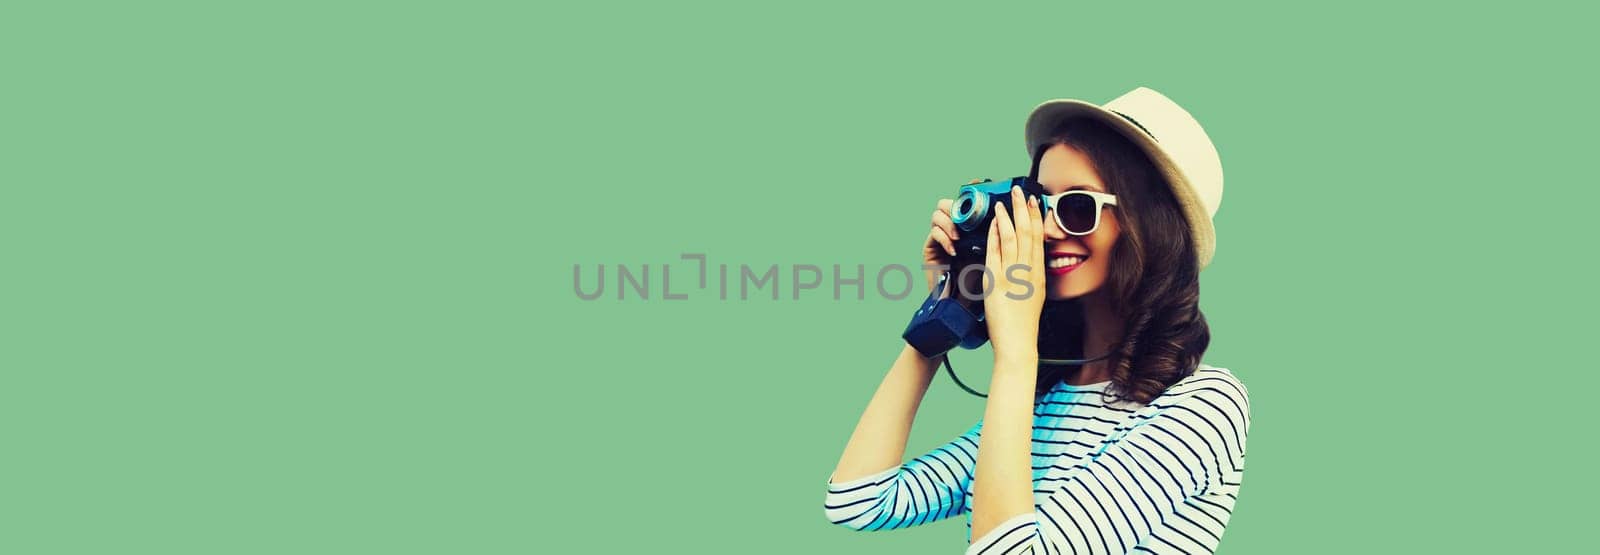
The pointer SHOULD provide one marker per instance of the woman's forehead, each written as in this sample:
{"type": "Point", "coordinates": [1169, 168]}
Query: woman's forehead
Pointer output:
{"type": "Point", "coordinates": [1063, 167]}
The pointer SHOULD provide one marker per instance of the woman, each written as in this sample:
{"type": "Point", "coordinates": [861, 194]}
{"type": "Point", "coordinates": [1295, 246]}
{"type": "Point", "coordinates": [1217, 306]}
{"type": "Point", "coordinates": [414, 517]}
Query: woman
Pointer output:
{"type": "Point", "coordinates": [1142, 450]}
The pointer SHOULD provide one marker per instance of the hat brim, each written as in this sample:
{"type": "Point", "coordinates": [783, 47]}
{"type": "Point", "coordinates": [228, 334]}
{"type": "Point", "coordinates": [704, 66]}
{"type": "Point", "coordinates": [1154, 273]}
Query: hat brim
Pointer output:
{"type": "Point", "coordinates": [1048, 115]}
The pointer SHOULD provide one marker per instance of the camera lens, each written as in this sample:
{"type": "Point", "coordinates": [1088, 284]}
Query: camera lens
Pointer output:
{"type": "Point", "coordinates": [971, 207]}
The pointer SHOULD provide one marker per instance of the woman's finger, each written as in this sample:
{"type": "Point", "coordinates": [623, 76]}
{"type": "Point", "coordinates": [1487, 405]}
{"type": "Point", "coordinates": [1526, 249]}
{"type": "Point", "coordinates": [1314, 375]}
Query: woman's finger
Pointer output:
{"type": "Point", "coordinates": [941, 220]}
{"type": "Point", "coordinates": [1008, 235]}
{"type": "Point", "coordinates": [1036, 213]}
{"type": "Point", "coordinates": [991, 255]}
{"type": "Point", "coordinates": [1024, 225]}
{"type": "Point", "coordinates": [937, 235]}
{"type": "Point", "coordinates": [1037, 259]}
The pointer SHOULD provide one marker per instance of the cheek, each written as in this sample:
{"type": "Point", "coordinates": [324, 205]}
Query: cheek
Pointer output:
{"type": "Point", "coordinates": [1101, 243]}
{"type": "Point", "coordinates": [1102, 247]}
{"type": "Point", "coordinates": [1103, 239]}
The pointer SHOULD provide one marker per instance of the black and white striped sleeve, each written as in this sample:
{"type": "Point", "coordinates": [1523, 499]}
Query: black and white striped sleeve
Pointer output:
{"type": "Point", "coordinates": [1165, 485]}
{"type": "Point", "coordinates": [925, 489]}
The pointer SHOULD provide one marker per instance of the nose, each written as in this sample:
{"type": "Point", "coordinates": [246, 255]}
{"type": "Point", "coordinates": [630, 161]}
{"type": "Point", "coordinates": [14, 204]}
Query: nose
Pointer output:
{"type": "Point", "coordinates": [1052, 232]}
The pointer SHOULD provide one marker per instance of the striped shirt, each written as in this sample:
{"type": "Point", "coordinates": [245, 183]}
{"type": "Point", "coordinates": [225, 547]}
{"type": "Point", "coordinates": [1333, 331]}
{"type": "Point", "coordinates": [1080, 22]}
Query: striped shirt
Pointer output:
{"type": "Point", "coordinates": [1107, 478]}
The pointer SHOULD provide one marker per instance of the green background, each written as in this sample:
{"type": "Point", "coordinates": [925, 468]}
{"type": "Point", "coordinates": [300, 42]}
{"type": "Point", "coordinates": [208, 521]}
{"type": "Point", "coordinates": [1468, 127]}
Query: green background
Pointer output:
{"type": "Point", "coordinates": [297, 277]}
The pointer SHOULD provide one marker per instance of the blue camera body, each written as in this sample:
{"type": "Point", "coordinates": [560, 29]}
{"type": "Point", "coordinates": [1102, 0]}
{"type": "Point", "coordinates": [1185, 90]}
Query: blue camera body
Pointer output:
{"type": "Point", "coordinates": [942, 323]}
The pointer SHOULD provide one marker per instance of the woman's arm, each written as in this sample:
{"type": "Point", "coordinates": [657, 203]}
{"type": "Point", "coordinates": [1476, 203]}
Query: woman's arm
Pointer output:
{"type": "Point", "coordinates": [879, 440]}
{"type": "Point", "coordinates": [1002, 489]}
{"type": "Point", "coordinates": [1167, 481]}
{"type": "Point", "coordinates": [1003, 485]}
{"type": "Point", "coordinates": [925, 489]}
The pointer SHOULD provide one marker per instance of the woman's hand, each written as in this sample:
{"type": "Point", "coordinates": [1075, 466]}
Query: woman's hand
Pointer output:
{"type": "Point", "coordinates": [939, 248]}
{"type": "Point", "coordinates": [1016, 259]}
{"type": "Point", "coordinates": [1015, 256]}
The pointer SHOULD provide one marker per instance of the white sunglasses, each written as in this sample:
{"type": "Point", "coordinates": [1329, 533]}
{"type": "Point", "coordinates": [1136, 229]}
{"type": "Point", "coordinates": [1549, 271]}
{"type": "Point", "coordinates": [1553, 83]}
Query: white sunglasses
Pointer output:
{"type": "Point", "coordinates": [1077, 212]}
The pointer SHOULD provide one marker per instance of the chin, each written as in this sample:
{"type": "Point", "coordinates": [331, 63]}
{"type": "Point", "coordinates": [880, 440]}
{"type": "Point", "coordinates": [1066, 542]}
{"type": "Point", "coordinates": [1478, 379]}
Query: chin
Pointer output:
{"type": "Point", "coordinates": [1060, 289]}
{"type": "Point", "coordinates": [1060, 292]}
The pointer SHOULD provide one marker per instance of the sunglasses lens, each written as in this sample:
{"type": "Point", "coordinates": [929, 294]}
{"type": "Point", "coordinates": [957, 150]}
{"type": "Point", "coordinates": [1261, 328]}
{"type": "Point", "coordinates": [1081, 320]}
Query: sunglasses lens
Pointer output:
{"type": "Point", "coordinates": [1076, 213]}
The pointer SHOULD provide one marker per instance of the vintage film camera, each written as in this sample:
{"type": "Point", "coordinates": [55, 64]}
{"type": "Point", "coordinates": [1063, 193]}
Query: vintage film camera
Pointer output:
{"type": "Point", "coordinates": [947, 319]}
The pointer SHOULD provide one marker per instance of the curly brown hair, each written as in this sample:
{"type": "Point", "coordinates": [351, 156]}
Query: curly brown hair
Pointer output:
{"type": "Point", "coordinates": [1154, 279]}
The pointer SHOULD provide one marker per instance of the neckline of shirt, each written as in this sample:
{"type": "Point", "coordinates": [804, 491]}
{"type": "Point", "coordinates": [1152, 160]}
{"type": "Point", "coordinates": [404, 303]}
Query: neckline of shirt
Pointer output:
{"type": "Point", "coordinates": [1097, 386]}
{"type": "Point", "coordinates": [1062, 385]}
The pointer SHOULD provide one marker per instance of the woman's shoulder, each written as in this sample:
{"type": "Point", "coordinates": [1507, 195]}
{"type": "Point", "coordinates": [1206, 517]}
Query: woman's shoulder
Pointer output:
{"type": "Point", "coordinates": [1212, 386]}
{"type": "Point", "coordinates": [1208, 373]}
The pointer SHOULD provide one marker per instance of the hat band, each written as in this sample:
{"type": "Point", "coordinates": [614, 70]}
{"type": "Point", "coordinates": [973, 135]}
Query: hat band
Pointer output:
{"type": "Point", "coordinates": [1136, 124]}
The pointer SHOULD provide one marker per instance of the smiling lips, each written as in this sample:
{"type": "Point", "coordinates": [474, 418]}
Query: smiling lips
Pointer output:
{"type": "Point", "coordinates": [1059, 263]}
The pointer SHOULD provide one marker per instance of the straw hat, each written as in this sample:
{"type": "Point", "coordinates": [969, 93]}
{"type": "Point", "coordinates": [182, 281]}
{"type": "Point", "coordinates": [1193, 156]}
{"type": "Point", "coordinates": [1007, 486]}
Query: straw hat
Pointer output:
{"type": "Point", "coordinates": [1171, 137]}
